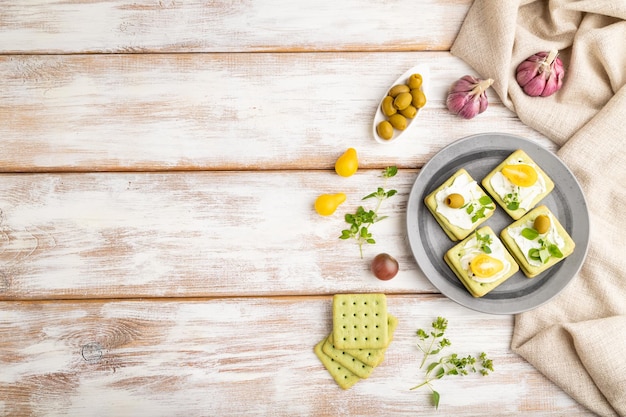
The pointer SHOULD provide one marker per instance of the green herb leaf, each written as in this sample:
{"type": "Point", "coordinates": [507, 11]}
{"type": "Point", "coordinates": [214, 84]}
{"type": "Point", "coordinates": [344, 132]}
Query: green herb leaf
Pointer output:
{"type": "Point", "coordinates": [530, 234]}
{"type": "Point", "coordinates": [555, 251]}
{"type": "Point", "coordinates": [485, 200]}
{"type": "Point", "coordinates": [390, 172]}
{"type": "Point", "coordinates": [452, 364]}
{"type": "Point", "coordinates": [469, 209]}
{"type": "Point", "coordinates": [480, 213]}
{"type": "Point", "coordinates": [484, 242]}
{"type": "Point", "coordinates": [360, 221]}
{"type": "Point", "coordinates": [513, 205]}
{"type": "Point", "coordinates": [436, 398]}
{"type": "Point", "coordinates": [512, 201]}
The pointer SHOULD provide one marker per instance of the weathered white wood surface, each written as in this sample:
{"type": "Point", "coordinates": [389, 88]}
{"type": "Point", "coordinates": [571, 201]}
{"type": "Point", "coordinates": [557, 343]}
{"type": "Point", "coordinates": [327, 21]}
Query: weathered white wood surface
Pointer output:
{"type": "Point", "coordinates": [246, 356]}
{"type": "Point", "coordinates": [45, 26]}
{"type": "Point", "coordinates": [222, 111]}
{"type": "Point", "coordinates": [159, 252]}
{"type": "Point", "coordinates": [194, 234]}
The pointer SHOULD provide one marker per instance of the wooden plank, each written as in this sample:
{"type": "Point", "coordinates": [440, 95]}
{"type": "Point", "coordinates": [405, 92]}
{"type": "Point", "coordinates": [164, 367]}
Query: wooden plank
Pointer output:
{"type": "Point", "coordinates": [120, 235]}
{"type": "Point", "coordinates": [119, 26]}
{"type": "Point", "coordinates": [223, 111]}
{"type": "Point", "coordinates": [247, 356]}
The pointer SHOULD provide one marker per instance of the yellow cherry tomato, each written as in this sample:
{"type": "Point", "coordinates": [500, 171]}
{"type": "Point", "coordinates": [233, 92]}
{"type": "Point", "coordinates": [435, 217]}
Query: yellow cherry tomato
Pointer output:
{"type": "Point", "coordinates": [520, 174]}
{"type": "Point", "coordinates": [485, 266]}
{"type": "Point", "coordinates": [326, 204]}
{"type": "Point", "coordinates": [348, 163]}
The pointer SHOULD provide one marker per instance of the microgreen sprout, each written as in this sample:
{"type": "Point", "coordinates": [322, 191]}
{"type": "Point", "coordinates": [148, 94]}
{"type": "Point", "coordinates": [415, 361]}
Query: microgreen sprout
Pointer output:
{"type": "Point", "coordinates": [484, 241]}
{"type": "Point", "coordinates": [432, 343]}
{"type": "Point", "coordinates": [361, 221]}
{"type": "Point", "coordinates": [511, 200]}
{"type": "Point", "coordinates": [478, 207]}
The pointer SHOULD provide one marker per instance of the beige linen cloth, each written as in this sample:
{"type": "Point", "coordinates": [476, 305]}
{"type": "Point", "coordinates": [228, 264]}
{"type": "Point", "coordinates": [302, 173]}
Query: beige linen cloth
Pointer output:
{"type": "Point", "coordinates": [578, 339]}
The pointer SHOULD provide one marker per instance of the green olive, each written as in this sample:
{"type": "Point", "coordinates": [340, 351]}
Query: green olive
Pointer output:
{"type": "Point", "coordinates": [397, 89]}
{"type": "Point", "coordinates": [454, 200]}
{"type": "Point", "coordinates": [384, 130]}
{"type": "Point", "coordinates": [419, 99]}
{"type": "Point", "coordinates": [409, 112]}
{"type": "Point", "coordinates": [402, 101]}
{"type": "Point", "coordinates": [415, 81]}
{"type": "Point", "coordinates": [387, 106]}
{"type": "Point", "coordinates": [398, 121]}
{"type": "Point", "coordinates": [542, 224]}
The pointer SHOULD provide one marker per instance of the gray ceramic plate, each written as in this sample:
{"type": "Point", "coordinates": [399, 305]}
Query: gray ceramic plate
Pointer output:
{"type": "Point", "coordinates": [480, 154]}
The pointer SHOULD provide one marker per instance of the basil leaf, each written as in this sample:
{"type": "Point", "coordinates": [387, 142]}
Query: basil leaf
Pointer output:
{"type": "Point", "coordinates": [484, 200]}
{"type": "Point", "coordinates": [513, 205]}
{"type": "Point", "coordinates": [469, 209]}
{"type": "Point", "coordinates": [486, 249]}
{"type": "Point", "coordinates": [530, 234]}
{"type": "Point", "coordinates": [555, 251]}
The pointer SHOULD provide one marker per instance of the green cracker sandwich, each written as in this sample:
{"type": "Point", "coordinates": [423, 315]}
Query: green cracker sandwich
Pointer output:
{"type": "Point", "coordinates": [459, 205]}
{"type": "Point", "coordinates": [518, 184]}
{"type": "Point", "coordinates": [481, 262]}
{"type": "Point", "coordinates": [535, 252]}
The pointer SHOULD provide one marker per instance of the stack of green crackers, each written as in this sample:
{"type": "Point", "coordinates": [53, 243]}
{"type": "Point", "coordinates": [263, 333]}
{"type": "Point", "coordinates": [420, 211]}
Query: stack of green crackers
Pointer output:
{"type": "Point", "coordinates": [362, 330]}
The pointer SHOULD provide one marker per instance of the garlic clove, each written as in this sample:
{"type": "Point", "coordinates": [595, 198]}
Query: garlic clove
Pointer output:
{"type": "Point", "coordinates": [551, 85]}
{"type": "Point", "coordinates": [540, 74]}
{"type": "Point", "coordinates": [467, 97]}
{"type": "Point", "coordinates": [463, 105]}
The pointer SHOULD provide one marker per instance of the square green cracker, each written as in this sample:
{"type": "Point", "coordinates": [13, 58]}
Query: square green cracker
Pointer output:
{"type": "Point", "coordinates": [532, 268]}
{"type": "Point", "coordinates": [360, 321]}
{"type": "Point", "coordinates": [543, 181]}
{"type": "Point", "coordinates": [457, 260]}
{"type": "Point", "coordinates": [348, 361]}
{"type": "Point", "coordinates": [374, 357]}
{"type": "Point", "coordinates": [343, 377]}
{"type": "Point", "coordinates": [462, 183]}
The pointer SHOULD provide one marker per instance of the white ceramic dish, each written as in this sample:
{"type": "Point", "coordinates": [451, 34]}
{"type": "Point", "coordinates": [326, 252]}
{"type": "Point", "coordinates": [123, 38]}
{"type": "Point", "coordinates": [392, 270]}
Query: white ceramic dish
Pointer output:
{"type": "Point", "coordinates": [379, 116]}
{"type": "Point", "coordinates": [479, 154]}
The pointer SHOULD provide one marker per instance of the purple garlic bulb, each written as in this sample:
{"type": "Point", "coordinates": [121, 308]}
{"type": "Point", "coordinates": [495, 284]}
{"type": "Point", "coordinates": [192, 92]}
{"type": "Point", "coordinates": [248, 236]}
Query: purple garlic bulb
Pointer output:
{"type": "Point", "coordinates": [468, 97]}
{"type": "Point", "coordinates": [541, 74]}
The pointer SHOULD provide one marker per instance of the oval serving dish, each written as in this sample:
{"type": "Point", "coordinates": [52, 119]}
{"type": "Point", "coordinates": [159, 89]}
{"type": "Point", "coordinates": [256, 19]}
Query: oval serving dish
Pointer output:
{"type": "Point", "coordinates": [379, 116]}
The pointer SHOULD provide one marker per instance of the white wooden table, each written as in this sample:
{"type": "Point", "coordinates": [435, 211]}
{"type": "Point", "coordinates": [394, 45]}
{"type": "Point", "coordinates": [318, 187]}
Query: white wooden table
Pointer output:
{"type": "Point", "coordinates": [159, 251]}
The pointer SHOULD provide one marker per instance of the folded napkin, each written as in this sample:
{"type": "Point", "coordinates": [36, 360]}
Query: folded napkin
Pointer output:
{"type": "Point", "coordinates": [578, 339]}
